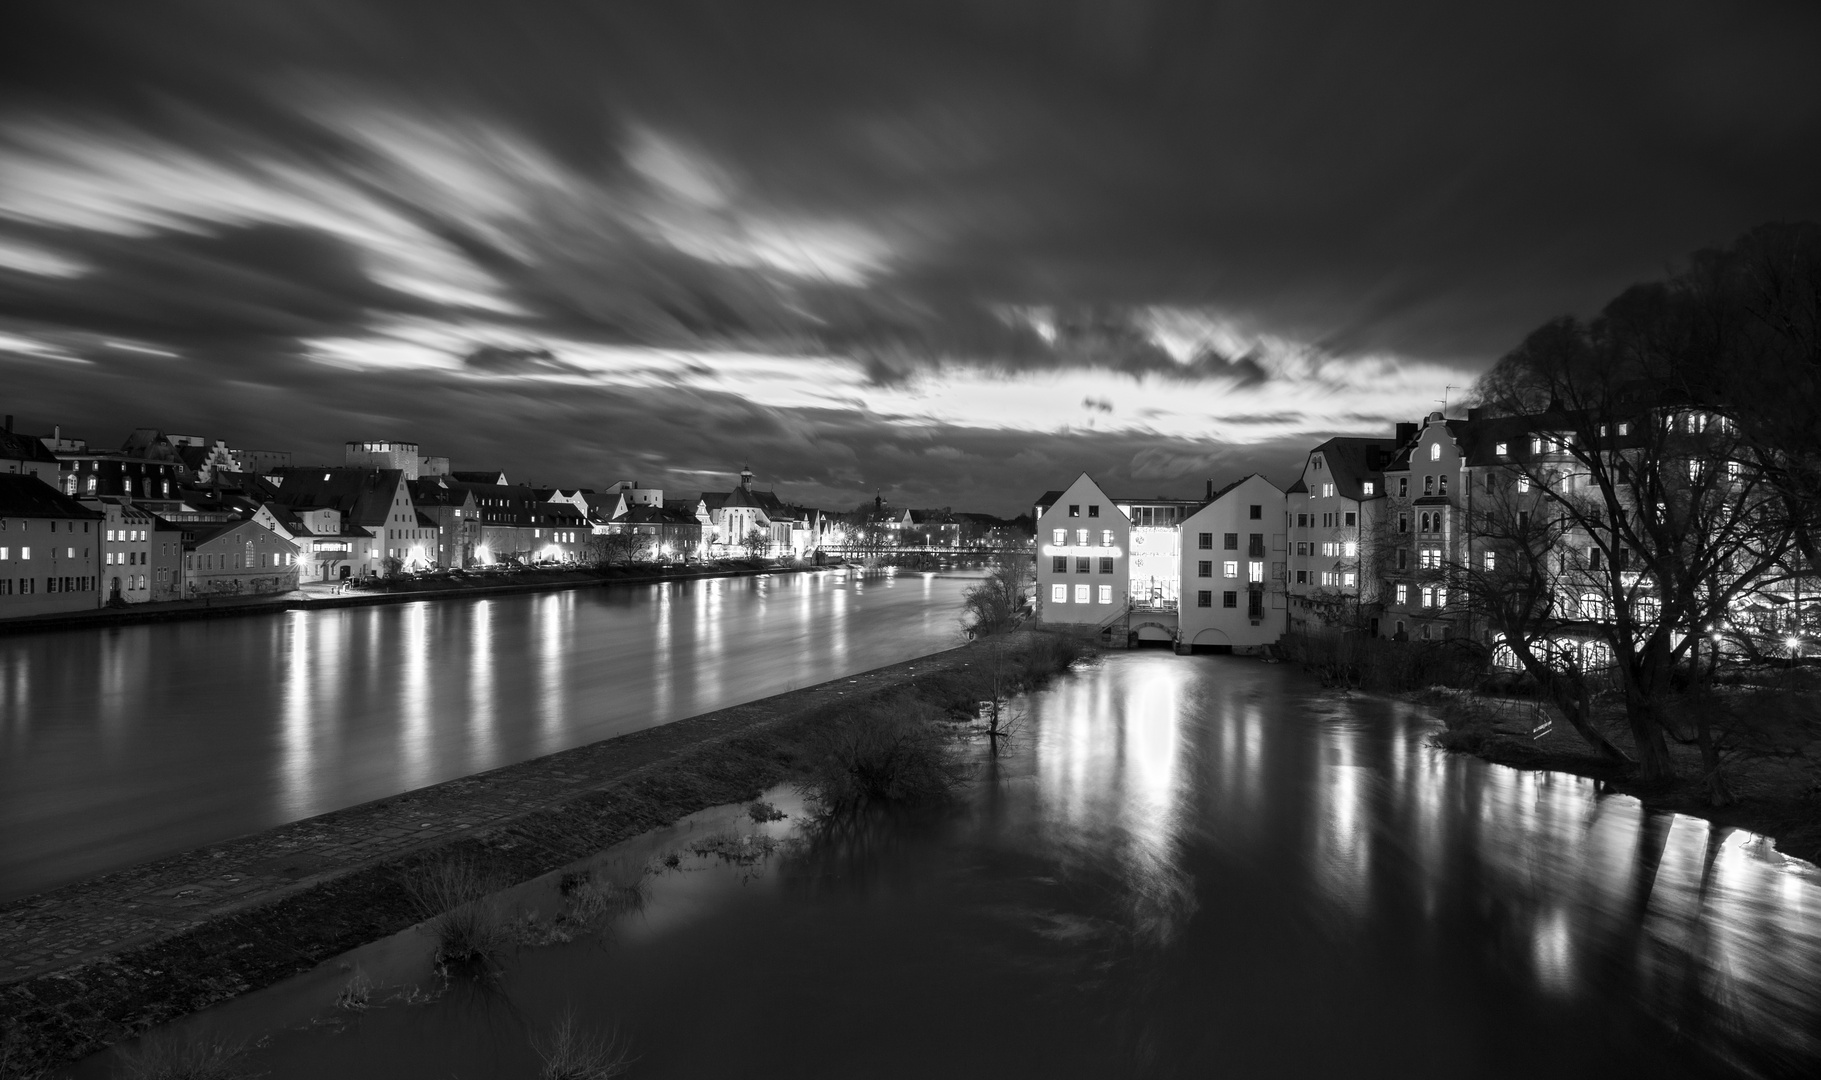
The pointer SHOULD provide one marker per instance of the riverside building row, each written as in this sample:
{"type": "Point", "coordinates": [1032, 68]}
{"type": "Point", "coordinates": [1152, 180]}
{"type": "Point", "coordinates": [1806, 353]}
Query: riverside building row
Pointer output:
{"type": "Point", "coordinates": [179, 517]}
{"type": "Point", "coordinates": [1374, 537]}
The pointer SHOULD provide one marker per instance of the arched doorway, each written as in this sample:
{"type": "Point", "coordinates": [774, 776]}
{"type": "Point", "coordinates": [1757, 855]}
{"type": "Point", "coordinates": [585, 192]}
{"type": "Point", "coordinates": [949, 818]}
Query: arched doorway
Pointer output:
{"type": "Point", "coordinates": [1151, 635]}
{"type": "Point", "coordinates": [1211, 640]}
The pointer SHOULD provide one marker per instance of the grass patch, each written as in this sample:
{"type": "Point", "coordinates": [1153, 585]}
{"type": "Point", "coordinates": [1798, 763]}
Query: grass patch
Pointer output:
{"type": "Point", "coordinates": [167, 1056]}
{"type": "Point", "coordinates": [455, 897]}
{"type": "Point", "coordinates": [570, 1052]}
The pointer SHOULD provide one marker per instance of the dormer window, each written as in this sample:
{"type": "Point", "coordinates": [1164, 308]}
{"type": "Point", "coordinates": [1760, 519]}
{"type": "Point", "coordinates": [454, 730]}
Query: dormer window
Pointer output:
{"type": "Point", "coordinates": [1503, 449]}
{"type": "Point", "coordinates": [1367, 488]}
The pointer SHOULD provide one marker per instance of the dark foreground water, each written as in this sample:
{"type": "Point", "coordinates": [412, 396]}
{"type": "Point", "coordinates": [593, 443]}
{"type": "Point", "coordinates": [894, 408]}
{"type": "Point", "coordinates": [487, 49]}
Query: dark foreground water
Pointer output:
{"type": "Point", "coordinates": [1191, 866]}
{"type": "Point", "coordinates": [123, 744]}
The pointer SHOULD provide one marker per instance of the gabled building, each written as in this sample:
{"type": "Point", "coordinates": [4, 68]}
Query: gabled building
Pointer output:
{"type": "Point", "coordinates": [1084, 566]}
{"type": "Point", "coordinates": [1233, 569]}
{"type": "Point", "coordinates": [453, 511]}
{"type": "Point", "coordinates": [375, 522]}
{"type": "Point", "coordinates": [141, 555]}
{"type": "Point", "coordinates": [240, 558]}
{"type": "Point", "coordinates": [668, 533]}
{"type": "Point", "coordinates": [1336, 546]}
{"type": "Point", "coordinates": [49, 549]}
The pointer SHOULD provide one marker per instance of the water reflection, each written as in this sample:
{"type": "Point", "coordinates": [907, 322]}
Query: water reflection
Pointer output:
{"type": "Point", "coordinates": [1188, 866]}
{"type": "Point", "coordinates": [129, 743]}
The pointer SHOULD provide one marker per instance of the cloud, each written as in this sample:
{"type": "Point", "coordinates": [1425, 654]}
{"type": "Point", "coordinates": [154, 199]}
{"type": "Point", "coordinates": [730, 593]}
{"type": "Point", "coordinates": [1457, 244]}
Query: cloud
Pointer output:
{"type": "Point", "coordinates": [843, 231]}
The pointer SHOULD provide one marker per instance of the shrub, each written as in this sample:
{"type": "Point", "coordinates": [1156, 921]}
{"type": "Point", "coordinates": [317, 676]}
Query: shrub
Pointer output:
{"type": "Point", "coordinates": [884, 752]}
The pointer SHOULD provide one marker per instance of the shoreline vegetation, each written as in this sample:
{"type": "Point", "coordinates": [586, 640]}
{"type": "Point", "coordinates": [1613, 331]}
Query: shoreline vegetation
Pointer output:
{"type": "Point", "coordinates": [1767, 720]}
{"type": "Point", "coordinates": [847, 743]}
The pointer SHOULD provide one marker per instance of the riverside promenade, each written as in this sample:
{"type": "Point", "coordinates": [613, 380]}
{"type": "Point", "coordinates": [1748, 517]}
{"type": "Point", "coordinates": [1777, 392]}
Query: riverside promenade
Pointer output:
{"type": "Point", "coordinates": [83, 965]}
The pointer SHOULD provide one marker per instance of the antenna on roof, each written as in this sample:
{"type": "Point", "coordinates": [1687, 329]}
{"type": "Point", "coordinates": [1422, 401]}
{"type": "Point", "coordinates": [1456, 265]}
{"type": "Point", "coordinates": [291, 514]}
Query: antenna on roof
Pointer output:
{"type": "Point", "coordinates": [1444, 398]}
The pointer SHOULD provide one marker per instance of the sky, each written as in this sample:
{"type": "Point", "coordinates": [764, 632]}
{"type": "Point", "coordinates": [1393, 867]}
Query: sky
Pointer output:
{"type": "Point", "coordinates": [949, 253]}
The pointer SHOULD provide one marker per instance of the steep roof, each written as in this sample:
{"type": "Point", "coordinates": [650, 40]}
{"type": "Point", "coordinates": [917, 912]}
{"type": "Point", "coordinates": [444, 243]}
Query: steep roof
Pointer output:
{"type": "Point", "coordinates": [657, 515]}
{"type": "Point", "coordinates": [363, 496]}
{"type": "Point", "coordinates": [1352, 460]}
{"type": "Point", "coordinates": [433, 491]}
{"type": "Point", "coordinates": [26, 496]}
{"type": "Point", "coordinates": [15, 447]}
{"type": "Point", "coordinates": [481, 476]}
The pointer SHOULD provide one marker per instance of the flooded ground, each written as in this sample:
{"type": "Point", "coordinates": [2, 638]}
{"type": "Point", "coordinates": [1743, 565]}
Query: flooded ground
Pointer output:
{"type": "Point", "coordinates": [123, 744]}
{"type": "Point", "coordinates": [1189, 866]}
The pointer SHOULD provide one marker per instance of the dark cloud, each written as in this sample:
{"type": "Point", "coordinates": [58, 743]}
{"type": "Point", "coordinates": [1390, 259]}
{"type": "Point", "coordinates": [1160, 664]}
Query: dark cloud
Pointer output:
{"type": "Point", "coordinates": [1012, 188]}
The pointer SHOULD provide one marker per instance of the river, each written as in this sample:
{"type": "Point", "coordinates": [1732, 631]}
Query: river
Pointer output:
{"type": "Point", "coordinates": [123, 744]}
{"type": "Point", "coordinates": [1187, 867]}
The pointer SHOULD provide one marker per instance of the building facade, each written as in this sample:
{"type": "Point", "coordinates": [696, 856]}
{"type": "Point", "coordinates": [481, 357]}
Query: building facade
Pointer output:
{"type": "Point", "coordinates": [50, 549]}
{"type": "Point", "coordinates": [1232, 569]}
{"type": "Point", "coordinates": [241, 558]}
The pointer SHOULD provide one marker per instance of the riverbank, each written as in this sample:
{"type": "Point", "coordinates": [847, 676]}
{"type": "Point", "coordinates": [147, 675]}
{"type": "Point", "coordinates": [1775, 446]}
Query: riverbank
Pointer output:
{"type": "Point", "coordinates": [313, 598]}
{"type": "Point", "coordinates": [1777, 780]}
{"type": "Point", "coordinates": [90, 963]}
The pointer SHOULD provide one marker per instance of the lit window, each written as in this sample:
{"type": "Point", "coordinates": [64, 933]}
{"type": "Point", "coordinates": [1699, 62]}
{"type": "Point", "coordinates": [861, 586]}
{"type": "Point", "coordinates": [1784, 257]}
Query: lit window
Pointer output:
{"type": "Point", "coordinates": [1106, 594]}
{"type": "Point", "coordinates": [1441, 597]}
{"type": "Point", "coordinates": [1435, 451]}
{"type": "Point", "coordinates": [1081, 537]}
{"type": "Point", "coordinates": [1403, 594]}
{"type": "Point", "coordinates": [1059, 594]}
{"type": "Point", "coordinates": [1492, 561]}
{"type": "Point", "coordinates": [1229, 569]}
{"type": "Point", "coordinates": [1624, 428]}
{"type": "Point", "coordinates": [1255, 571]}
{"type": "Point", "coordinates": [1428, 597]}
{"type": "Point", "coordinates": [1348, 580]}
{"type": "Point", "coordinates": [1350, 549]}
{"type": "Point", "coordinates": [1367, 488]}
{"type": "Point", "coordinates": [1060, 536]}
{"type": "Point", "coordinates": [1106, 538]}
{"type": "Point", "coordinates": [1536, 446]}
{"type": "Point", "coordinates": [1523, 483]}
{"type": "Point", "coordinates": [1503, 449]}
{"type": "Point", "coordinates": [1081, 593]}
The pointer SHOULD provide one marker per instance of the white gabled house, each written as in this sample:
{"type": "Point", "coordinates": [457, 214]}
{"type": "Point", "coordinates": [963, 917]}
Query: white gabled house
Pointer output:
{"type": "Point", "coordinates": [1083, 555]}
{"type": "Point", "coordinates": [1232, 569]}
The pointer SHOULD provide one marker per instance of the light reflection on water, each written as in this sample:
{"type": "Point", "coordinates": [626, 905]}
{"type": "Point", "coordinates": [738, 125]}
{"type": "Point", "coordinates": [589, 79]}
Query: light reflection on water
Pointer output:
{"type": "Point", "coordinates": [123, 744]}
{"type": "Point", "coordinates": [1190, 866]}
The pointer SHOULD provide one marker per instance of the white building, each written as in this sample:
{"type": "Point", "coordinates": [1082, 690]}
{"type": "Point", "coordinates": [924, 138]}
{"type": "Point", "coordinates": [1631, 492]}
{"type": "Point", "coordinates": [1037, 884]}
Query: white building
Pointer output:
{"type": "Point", "coordinates": [1083, 556]}
{"type": "Point", "coordinates": [1232, 569]}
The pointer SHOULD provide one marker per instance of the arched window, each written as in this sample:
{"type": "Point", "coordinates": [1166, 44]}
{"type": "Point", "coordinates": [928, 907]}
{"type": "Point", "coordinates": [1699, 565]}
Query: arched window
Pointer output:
{"type": "Point", "coordinates": [1435, 451]}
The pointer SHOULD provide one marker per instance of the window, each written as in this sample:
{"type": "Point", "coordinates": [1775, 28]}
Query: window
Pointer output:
{"type": "Point", "coordinates": [1084, 565]}
{"type": "Point", "coordinates": [1081, 537]}
{"type": "Point", "coordinates": [1536, 445]}
{"type": "Point", "coordinates": [1368, 488]}
{"type": "Point", "coordinates": [1230, 542]}
{"type": "Point", "coordinates": [1060, 536]}
{"type": "Point", "coordinates": [1441, 597]}
{"type": "Point", "coordinates": [1106, 564]}
{"type": "Point", "coordinates": [1594, 559]}
{"type": "Point", "coordinates": [1255, 544]}
{"type": "Point", "coordinates": [1302, 521]}
{"type": "Point", "coordinates": [25, 553]}
{"type": "Point", "coordinates": [1403, 594]}
{"type": "Point", "coordinates": [1350, 518]}
{"type": "Point", "coordinates": [1350, 549]}
{"type": "Point", "coordinates": [1523, 521]}
{"type": "Point", "coordinates": [1106, 594]}
{"type": "Point", "coordinates": [1488, 483]}
{"type": "Point", "coordinates": [1081, 594]}
{"type": "Point", "coordinates": [1074, 510]}
{"type": "Point", "coordinates": [1403, 523]}
{"type": "Point", "coordinates": [1327, 491]}
{"type": "Point", "coordinates": [1502, 449]}
{"type": "Point", "coordinates": [1059, 594]}
{"type": "Point", "coordinates": [1229, 599]}
{"type": "Point", "coordinates": [1428, 596]}
{"type": "Point", "coordinates": [1435, 451]}
{"type": "Point", "coordinates": [1257, 512]}
{"type": "Point", "coordinates": [1429, 484]}
{"type": "Point", "coordinates": [1444, 484]}
{"type": "Point", "coordinates": [1302, 548]}
{"type": "Point", "coordinates": [1059, 564]}
{"type": "Point", "coordinates": [1349, 580]}
{"type": "Point", "coordinates": [1229, 569]}
{"type": "Point", "coordinates": [1302, 577]}
{"type": "Point", "coordinates": [1431, 558]}
{"type": "Point", "coordinates": [1205, 568]}
{"type": "Point", "coordinates": [1403, 486]}
{"type": "Point", "coordinates": [1205, 542]}
{"type": "Point", "coordinates": [1403, 558]}
{"type": "Point", "coordinates": [1624, 427]}
{"type": "Point", "coordinates": [1255, 571]}
{"type": "Point", "coordinates": [1204, 598]}
{"type": "Point", "coordinates": [1523, 483]}
{"type": "Point", "coordinates": [1094, 511]}
{"type": "Point", "coordinates": [1491, 560]}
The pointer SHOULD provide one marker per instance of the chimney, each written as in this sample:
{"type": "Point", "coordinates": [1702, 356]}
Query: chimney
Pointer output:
{"type": "Point", "coordinates": [1210, 491]}
{"type": "Point", "coordinates": [9, 423]}
{"type": "Point", "coordinates": [56, 432]}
